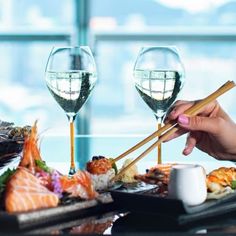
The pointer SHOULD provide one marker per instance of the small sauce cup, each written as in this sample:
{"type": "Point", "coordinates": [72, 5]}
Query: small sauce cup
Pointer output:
{"type": "Point", "coordinates": [188, 183]}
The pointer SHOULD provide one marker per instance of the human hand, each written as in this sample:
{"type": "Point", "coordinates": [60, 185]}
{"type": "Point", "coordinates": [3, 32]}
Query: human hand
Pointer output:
{"type": "Point", "coordinates": [211, 131]}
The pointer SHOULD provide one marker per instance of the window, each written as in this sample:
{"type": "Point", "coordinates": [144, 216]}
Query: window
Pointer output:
{"type": "Point", "coordinates": [205, 35]}
{"type": "Point", "coordinates": [203, 31]}
{"type": "Point", "coordinates": [28, 31]}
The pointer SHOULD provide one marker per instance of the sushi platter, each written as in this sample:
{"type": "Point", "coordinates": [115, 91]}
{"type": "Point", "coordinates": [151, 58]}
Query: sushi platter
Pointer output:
{"type": "Point", "coordinates": [34, 194]}
{"type": "Point", "coordinates": [36, 218]}
{"type": "Point", "coordinates": [149, 203]}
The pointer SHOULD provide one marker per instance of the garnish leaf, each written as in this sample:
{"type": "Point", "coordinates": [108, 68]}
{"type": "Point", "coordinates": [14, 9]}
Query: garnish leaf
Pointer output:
{"type": "Point", "coordinates": [4, 178]}
{"type": "Point", "coordinates": [233, 184]}
{"type": "Point", "coordinates": [42, 165]}
{"type": "Point", "coordinates": [114, 166]}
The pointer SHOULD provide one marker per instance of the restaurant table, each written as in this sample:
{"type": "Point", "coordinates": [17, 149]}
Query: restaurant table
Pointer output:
{"type": "Point", "coordinates": [124, 223]}
{"type": "Point", "coordinates": [112, 219]}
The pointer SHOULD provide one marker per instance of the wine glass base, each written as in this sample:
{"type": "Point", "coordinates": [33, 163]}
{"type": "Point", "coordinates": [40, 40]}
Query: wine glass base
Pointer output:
{"type": "Point", "coordinates": [72, 171]}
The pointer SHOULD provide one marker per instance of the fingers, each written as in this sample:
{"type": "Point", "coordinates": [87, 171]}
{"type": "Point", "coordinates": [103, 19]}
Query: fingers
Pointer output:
{"type": "Point", "coordinates": [176, 134]}
{"type": "Point", "coordinates": [199, 123]}
{"type": "Point", "coordinates": [181, 106]}
{"type": "Point", "coordinates": [190, 144]}
{"type": "Point", "coordinates": [178, 108]}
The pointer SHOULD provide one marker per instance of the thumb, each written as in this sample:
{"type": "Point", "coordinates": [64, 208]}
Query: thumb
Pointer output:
{"type": "Point", "coordinates": [199, 123]}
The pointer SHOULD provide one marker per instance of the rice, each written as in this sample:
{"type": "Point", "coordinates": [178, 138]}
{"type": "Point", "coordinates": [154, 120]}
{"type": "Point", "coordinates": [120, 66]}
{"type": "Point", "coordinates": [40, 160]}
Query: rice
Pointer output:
{"type": "Point", "coordinates": [102, 181]}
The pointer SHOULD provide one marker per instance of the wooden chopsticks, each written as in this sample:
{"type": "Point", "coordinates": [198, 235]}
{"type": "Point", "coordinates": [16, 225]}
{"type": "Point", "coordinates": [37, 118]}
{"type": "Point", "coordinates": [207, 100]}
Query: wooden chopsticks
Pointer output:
{"type": "Point", "coordinates": [171, 127]}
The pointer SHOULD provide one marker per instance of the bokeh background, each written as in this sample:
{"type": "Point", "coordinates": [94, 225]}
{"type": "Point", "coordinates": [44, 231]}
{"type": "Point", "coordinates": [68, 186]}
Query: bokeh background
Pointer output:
{"type": "Point", "coordinates": [115, 116]}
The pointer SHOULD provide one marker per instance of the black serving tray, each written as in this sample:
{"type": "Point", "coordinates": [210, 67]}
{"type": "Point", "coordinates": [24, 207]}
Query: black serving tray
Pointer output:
{"type": "Point", "coordinates": [146, 203]}
{"type": "Point", "coordinates": [44, 217]}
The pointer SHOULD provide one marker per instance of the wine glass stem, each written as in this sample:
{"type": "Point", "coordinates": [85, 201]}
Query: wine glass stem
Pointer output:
{"type": "Point", "coordinates": [72, 149]}
{"type": "Point", "coordinates": [159, 147]}
{"type": "Point", "coordinates": [159, 156]}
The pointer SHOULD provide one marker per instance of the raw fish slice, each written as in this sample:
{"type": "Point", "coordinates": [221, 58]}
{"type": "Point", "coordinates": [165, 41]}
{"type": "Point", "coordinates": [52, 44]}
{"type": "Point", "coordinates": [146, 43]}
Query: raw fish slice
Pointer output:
{"type": "Point", "coordinates": [79, 185]}
{"type": "Point", "coordinates": [24, 193]}
{"type": "Point", "coordinates": [18, 201]}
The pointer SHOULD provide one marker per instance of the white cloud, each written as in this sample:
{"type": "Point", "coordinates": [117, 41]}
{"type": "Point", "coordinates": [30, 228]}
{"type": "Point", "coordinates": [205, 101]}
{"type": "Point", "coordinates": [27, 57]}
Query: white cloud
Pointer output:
{"type": "Point", "coordinates": [194, 6]}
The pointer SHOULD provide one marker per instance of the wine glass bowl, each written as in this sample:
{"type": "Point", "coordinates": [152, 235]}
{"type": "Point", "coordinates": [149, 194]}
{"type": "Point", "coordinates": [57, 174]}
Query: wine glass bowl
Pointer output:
{"type": "Point", "coordinates": [159, 77]}
{"type": "Point", "coordinates": [70, 77]}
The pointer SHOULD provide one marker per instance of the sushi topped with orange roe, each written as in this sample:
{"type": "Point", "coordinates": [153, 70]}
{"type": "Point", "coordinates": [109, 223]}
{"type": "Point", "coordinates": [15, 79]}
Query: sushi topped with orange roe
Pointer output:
{"type": "Point", "coordinates": [102, 171]}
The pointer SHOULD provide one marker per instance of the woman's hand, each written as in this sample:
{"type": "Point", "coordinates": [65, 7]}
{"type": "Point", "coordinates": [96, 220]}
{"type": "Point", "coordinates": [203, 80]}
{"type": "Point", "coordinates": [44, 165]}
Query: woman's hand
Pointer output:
{"type": "Point", "coordinates": [211, 131]}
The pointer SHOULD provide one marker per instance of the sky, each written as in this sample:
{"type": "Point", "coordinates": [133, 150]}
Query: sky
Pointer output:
{"type": "Point", "coordinates": [194, 6]}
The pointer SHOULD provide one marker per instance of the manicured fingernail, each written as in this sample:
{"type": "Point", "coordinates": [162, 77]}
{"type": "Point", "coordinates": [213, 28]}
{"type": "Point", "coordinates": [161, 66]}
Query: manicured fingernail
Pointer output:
{"type": "Point", "coordinates": [182, 119]}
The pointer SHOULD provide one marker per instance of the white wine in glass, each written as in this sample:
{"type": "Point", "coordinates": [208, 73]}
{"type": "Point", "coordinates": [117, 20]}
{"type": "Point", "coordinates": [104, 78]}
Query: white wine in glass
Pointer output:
{"type": "Point", "coordinates": [159, 76]}
{"type": "Point", "coordinates": [70, 77]}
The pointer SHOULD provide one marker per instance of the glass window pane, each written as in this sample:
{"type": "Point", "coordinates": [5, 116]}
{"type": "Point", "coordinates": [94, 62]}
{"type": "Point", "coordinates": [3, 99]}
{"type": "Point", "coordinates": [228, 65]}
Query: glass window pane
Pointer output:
{"type": "Point", "coordinates": [24, 97]}
{"type": "Point", "coordinates": [42, 14]}
{"type": "Point", "coordinates": [141, 14]}
{"type": "Point", "coordinates": [117, 108]}
{"type": "Point", "coordinates": [207, 65]}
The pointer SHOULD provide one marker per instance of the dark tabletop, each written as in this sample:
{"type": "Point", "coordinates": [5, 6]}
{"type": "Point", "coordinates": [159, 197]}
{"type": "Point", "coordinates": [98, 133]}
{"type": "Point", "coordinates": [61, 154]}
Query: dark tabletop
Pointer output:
{"type": "Point", "coordinates": [124, 223]}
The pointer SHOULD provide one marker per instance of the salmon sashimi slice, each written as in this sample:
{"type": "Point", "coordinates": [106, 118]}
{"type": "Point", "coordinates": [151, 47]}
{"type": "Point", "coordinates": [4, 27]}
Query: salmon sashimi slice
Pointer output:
{"type": "Point", "coordinates": [27, 201]}
{"type": "Point", "coordinates": [79, 185]}
{"type": "Point", "coordinates": [25, 193]}
{"type": "Point", "coordinates": [25, 178]}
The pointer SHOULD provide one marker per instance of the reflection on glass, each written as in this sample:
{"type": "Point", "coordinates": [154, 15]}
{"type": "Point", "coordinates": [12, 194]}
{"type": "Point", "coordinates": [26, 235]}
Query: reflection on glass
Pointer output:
{"type": "Point", "coordinates": [158, 74]}
{"type": "Point", "coordinates": [70, 77]}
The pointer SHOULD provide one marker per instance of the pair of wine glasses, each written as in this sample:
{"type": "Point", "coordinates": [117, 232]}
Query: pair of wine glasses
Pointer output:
{"type": "Point", "coordinates": [71, 76]}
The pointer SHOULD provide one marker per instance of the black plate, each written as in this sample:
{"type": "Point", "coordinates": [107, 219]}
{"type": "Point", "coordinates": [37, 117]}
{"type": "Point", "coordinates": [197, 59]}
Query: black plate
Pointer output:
{"type": "Point", "coordinates": [144, 202]}
{"type": "Point", "coordinates": [33, 219]}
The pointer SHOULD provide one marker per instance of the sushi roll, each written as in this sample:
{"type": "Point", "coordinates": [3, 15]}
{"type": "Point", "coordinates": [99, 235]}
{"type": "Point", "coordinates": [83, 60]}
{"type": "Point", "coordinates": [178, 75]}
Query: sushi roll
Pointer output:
{"type": "Point", "coordinates": [102, 171]}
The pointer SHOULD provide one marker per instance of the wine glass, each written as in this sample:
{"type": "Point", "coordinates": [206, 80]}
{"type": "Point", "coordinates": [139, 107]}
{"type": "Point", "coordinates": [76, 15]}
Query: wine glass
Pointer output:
{"type": "Point", "coordinates": [70, 77]}
{"type": "Point", "coordinates": [159, 76]}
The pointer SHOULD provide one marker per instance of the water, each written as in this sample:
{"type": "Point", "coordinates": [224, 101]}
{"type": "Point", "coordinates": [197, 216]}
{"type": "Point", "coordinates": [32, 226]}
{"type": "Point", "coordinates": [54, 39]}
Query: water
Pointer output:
{"type": "Point", "coordinates": [70, 89]}
{"type": "Point", "coordinates": [158, 88]}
